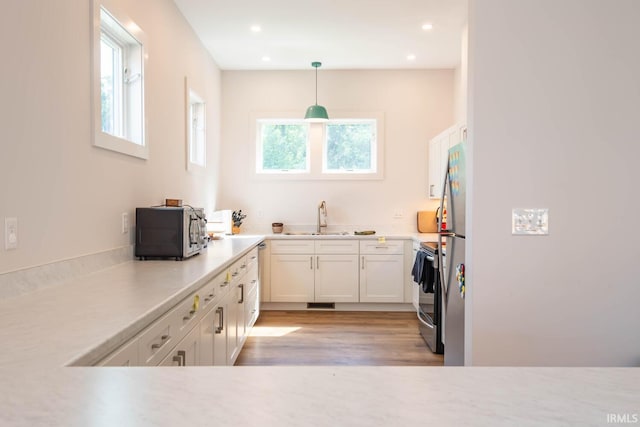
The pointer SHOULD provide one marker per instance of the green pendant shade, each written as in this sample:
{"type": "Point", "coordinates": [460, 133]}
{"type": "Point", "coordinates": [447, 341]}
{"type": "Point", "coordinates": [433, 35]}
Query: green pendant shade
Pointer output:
{"type": "Point", "coordinates": [316, 113]}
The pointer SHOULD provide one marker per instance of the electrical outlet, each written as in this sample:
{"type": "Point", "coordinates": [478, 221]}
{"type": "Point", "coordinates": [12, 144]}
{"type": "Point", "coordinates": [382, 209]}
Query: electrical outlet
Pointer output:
{"type": "Point", "coordinates": [10, 233]}
{"type": "Point", "coordinates": [125, 222]}
{"type": "Point", "coordinates": [398, 214]}
{"type": "Point", "coordinates": [530, 222]}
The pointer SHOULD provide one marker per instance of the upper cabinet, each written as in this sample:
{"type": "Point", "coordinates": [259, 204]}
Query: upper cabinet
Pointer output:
{"type": "Point", "coordinates": [438, 152]}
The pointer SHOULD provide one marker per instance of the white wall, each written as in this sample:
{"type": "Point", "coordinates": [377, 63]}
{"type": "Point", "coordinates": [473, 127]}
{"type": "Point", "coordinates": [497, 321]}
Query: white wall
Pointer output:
{"type": "Point", "coordinates": [461, 78]}
{"type": "Point", "coordinates": [554, 106]}
{"type": "Point", "coordinates": [416, 105]}
{"type": "Point", "coordinates": [68, 196]}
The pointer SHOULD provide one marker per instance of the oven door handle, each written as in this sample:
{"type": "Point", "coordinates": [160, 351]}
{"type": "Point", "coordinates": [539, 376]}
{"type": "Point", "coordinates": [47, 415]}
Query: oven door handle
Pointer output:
{"type": "Point", "coordinates": [423, 322]}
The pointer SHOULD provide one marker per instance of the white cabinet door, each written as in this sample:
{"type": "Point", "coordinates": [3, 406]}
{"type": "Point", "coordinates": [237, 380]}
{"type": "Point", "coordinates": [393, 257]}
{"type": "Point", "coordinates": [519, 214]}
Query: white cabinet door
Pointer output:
{"type": "Point", "coordinates": [187, 352]}
{"type": "Point", "coordinates": [292, 278]}
{"type": "Point", "coordinates": [231, 320]}
{"type": "Point", "coordinates": [220, 334]}
{"type": "Point", "coordinates": [381, 278]}
{"type": "Point", "coordinates": [241, 289]}
{"type": "Point", "coordinates": [336, 278]}
{"type": "Point", "coordinates": [438, 156]}
{"type": "Point", "coordinates": [213, 337]}
{"type": "Point", "coordinates": [434, 169]}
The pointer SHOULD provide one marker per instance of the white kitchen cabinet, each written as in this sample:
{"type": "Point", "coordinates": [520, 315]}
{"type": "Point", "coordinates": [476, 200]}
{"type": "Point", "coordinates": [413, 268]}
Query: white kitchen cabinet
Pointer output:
{"type": "Point", "coordinates": [336, 278]}
{"type": "Point", "coordinates": [213, 336]}
{"type": "Point", "coordinates": [213, 333]}
{"type": "Point", "coordinates": [324, 270]}
{"type": "Point", "coordinates": [252, 298]}
{"type": "Point", "coordinates": [231, 320]}
{"type": "Point", "coordinates": [204, 328]}
{"type": "Point", "coordinates": [292, 277]}
{"type": "Point", "coordinates": [158, 340]}
{"type": "Point", "coordinates": [186, 352]}
{"type": "Point", "coordinates": [438, 154]}
{"type": "Point", "coordinates": [381, 271]}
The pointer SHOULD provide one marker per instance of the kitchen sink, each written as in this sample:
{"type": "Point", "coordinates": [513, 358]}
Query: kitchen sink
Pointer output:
{"type": "Point", "coordinates": [305, 233]}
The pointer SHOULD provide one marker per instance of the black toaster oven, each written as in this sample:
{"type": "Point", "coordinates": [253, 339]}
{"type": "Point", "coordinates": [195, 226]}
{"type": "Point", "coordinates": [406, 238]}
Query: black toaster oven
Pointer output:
{"type": "Point", "coordinates": [170, 232]}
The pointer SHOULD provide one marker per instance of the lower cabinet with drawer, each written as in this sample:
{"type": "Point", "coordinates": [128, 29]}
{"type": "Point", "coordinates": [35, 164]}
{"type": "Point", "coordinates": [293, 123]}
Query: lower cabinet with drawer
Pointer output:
{"type": "Point", "coordinates": [314, 271]}
{"type": "Point", "coordinates": [341, 271]}
{"type": "Point", "coordinates": [382, 271]}
{"type": "Point", "coordinates": [187, 352]}
{"type": "Point", "coordinates": [207, 328]}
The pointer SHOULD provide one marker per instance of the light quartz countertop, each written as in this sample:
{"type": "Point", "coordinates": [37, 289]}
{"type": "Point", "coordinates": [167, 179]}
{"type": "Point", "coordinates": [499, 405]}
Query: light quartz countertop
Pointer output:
{"type": "Point", "coordinates": [84, 319]}
{"type": "Point", "coordinates": [317, 396]}
{"type": "Point", "coordinates": [88, 316]}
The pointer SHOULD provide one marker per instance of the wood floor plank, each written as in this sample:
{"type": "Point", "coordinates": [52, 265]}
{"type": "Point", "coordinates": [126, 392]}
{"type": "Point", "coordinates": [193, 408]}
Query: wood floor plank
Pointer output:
{"type": "Point", "coordinates": [337, 338]}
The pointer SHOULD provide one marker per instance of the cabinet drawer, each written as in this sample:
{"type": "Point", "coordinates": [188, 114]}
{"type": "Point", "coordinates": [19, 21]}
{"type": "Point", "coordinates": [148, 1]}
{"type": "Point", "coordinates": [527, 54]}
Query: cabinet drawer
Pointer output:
{"type": "Point", "coordinates": [377, 247]}
{"type": "Point", "coordinates": [252, 257]}
{"type": "Point", "coordinates": [211, 292]}
{"type": "Point", "coordinates": [292, 246]}
{"type": "Point", "coordinates": [158, 340]}
{"type": "Point", "coordinates": [186, 314]}
{"type": "Point", "coordinates": [348, 247]}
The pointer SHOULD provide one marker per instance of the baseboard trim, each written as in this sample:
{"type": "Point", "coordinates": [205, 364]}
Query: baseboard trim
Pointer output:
{"type": "Point", "coordinates": [356, 306]}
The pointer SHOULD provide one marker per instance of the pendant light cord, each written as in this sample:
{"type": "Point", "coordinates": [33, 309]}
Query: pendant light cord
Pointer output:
{"type": "Point", "coordinates": [316, 85]}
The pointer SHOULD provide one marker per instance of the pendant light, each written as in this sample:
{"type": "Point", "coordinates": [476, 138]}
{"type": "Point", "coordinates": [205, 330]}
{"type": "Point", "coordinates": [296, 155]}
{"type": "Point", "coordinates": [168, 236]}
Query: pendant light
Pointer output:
{"type": "Point", "coordinates": [316, 113]}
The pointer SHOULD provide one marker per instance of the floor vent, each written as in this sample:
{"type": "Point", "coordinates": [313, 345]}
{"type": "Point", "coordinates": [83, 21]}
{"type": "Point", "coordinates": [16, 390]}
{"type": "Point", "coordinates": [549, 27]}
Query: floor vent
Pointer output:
{"type": "Point", "coordinates": [322, 305]}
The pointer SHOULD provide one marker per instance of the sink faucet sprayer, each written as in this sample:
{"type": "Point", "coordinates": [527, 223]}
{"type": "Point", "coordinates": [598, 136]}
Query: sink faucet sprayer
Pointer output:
{"type": "Point", "coordinates": [322, 217]}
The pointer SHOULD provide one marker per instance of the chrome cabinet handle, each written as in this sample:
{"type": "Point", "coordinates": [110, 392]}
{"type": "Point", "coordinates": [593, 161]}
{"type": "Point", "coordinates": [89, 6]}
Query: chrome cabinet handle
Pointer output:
{"type": "Point", "coordinates": [183, 355]}
{"type": "Point", "coordinates": [164, 339]}
{"type": "Point", "coordinates": [363, 263]}
{"type": "Point", "coordinates": [241, 286]}
{"type": "Point", "coordinates": [318, 262]}
{"type": "Point", "coordinates": [311, 262]}
{"type": "Point", "coordinates": [220, 313]}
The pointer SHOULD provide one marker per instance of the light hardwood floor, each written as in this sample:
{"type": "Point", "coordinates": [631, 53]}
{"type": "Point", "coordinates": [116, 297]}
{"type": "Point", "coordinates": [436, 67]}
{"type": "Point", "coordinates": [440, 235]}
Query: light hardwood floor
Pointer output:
{"type": "Point", "coordinates": [337, 338]}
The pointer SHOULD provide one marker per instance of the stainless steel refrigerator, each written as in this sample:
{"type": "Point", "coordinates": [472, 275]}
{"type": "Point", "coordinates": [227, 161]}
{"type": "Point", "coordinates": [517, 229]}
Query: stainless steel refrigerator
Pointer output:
{"type": "Point", "coordinates": [452, 274]}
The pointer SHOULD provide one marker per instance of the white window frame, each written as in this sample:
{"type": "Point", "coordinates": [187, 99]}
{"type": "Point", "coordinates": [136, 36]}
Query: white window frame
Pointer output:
{"type": "Point", "coordinates": [374, 148]}
{"type": "Point", "coordinates": [316, 149]}
{"type": "Point", "coordinates": [133, 138]}
{"type": "Point", "coordinates": [284, 118]}
{"type": "Point", "coordinates": [196, 129]}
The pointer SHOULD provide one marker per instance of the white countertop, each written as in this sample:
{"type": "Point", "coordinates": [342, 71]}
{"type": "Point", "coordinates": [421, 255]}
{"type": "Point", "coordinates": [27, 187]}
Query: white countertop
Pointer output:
{"type": "Point", "coordinates": [46, 329]}
{"type": "Point", "coordinates": [90, 316]}
{"type": "Point", "coordinates": [317, 396]}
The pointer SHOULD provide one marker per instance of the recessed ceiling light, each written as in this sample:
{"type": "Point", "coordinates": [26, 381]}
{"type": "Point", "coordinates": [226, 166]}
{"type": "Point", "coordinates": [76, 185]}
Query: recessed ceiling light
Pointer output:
{"type": "Point", "coordinates": [266, 59]}
{"type": "Point", "coordinates": [411, 57]}
{"type": "Point", "coordinates": [256, 28]}
{"type": "Point", "coordinates": [428, 26]}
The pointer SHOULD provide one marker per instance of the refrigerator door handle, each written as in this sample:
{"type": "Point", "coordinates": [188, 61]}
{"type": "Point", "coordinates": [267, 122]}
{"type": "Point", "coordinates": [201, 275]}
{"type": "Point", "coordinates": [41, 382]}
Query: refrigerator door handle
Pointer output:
{"type": "Point", "coordinates": [440, 257]}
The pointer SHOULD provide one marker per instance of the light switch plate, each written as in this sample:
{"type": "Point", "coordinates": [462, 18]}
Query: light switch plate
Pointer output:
{"type": "Point", "coordinates": [10, 233]}
{"type": "Point", "coordinates": [530, 221]}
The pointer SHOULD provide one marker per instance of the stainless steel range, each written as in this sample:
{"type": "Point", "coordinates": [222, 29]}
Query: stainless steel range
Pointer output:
{"type": "Point", "coordinates": [430, 302]}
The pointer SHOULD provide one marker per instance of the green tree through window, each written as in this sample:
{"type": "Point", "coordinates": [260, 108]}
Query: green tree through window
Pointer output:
{"type": "Point", "coordinates": [284, 146]}
{"type": "Point", "coordinates": [349, 146]}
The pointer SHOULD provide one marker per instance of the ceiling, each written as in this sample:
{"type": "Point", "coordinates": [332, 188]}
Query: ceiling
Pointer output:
{"type": "Point", "coordinates": [342, 34]}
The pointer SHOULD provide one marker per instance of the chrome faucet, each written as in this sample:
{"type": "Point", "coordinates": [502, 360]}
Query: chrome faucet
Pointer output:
{"type": "Point", "coordinates": [322, 217]}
